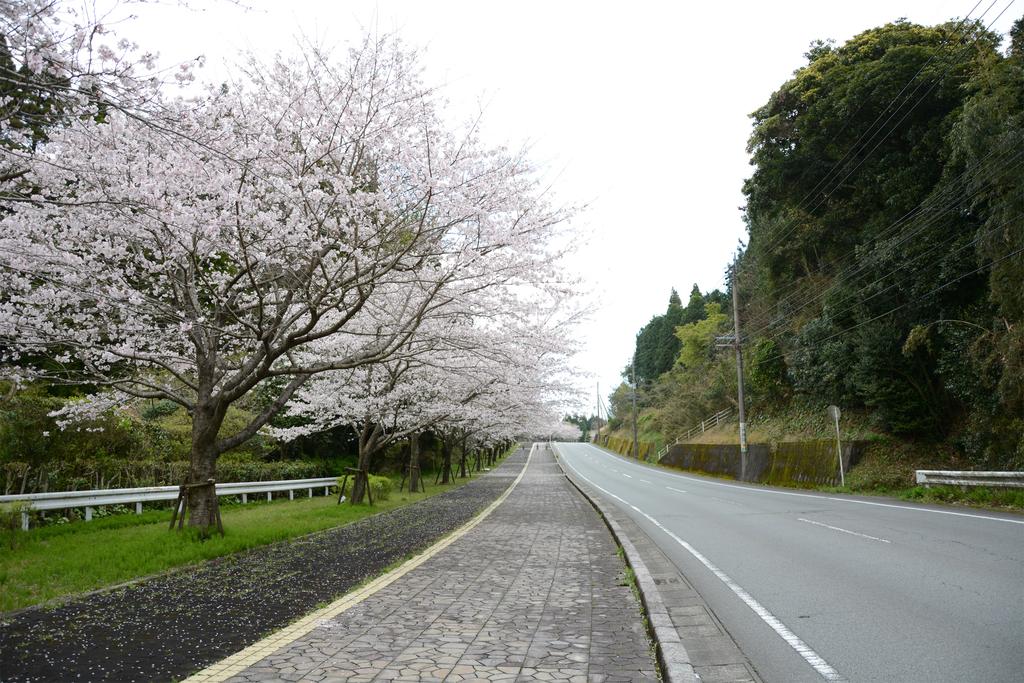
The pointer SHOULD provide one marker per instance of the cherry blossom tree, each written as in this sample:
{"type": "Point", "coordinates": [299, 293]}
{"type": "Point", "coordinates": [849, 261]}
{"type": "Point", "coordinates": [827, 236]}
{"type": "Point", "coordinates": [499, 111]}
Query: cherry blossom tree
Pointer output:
{"type": "Point", "coordinates": [477, 370]}
{"type": "Point", "coordinates": [59, 61]}
{"type": "Point", "coordinates": [527, 399]}
{"type": "Point", "coordinates": [307, 218]}
{"type": "Point", "coordinates": [560, 430]}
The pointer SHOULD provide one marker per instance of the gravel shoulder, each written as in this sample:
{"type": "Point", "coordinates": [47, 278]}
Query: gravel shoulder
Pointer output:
{"type": "Point", "coordinates": [171, 625]}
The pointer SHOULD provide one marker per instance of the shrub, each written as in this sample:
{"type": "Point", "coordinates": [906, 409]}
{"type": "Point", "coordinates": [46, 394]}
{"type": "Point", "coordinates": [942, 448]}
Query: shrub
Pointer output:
{"type": "Point", "coordinates": [155, 409]}
{"type": "Point", "coordinates": [767, 372]}
{"type": "Point", "coordinates": [10, 521]}
{"type": "Point", "coordinates": [380, 487]}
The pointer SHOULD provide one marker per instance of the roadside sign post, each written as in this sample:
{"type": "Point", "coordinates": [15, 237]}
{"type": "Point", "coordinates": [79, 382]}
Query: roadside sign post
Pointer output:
{"type": "Point", "coordinates": [834, 413]}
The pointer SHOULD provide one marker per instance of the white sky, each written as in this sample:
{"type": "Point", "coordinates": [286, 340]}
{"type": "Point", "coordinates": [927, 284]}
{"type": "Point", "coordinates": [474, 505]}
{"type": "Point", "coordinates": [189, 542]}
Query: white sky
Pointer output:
{"type": "Point", "coordinates": [638, 110]}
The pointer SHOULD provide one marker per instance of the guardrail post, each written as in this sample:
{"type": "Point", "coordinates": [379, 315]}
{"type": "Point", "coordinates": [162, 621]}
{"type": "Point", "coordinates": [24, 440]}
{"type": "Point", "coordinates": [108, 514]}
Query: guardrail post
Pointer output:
{"type": "Point", "coordinates": [24, 521]}
{"type": "Point", "coordinates": [138, 508]}
{"type": "Point", "coordinates": [327, 490]}
{"type": "Point", "coordinates": [269, 494]}
{"type": "Point", "coordinates": [310, 493]}
{"type": "Point", "coordinates": [245, 498]}
{"type": "Point", "coordinates": [88, 513]}
{"type": "Point", "coordinates": [291, 494]}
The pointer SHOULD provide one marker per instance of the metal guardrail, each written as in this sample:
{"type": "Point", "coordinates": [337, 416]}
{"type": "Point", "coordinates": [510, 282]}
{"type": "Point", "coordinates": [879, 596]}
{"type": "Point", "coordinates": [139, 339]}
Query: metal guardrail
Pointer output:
{"type": "Point", "coordinates": [704, 425]}
{"type": "Point", "coordinates": [968, 478]}
{"type": "Point", "coordinates": [62, 500]}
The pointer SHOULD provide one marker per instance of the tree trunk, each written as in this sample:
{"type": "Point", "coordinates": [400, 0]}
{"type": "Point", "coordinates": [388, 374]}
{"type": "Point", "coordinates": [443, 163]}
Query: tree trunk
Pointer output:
{"type": "Point", "coordinates": [202, 500]}
{"type": "Point", "coordinates": [446, 461]}
{"type": "Point", "coordinates": [462, 459]}
{"type": "Point", "coordinates": [367, 444]}
{"type": "Point", "coordinates": [414, 462]}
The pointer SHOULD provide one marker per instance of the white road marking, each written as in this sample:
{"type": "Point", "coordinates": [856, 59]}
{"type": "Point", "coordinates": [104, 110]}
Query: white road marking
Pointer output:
{"type": "Point", "coordinates": [845, 531]}
{"type": "Point", "coordinates": [626, 475]}
{"type": "Point", "coordinates": [644, 481]}
{"type": "Point", "coordinates": [754, 489]}
{"type": "Point", "coordinates": [803, 649]}
{"type": "Point", "coordinates": [676, 490]}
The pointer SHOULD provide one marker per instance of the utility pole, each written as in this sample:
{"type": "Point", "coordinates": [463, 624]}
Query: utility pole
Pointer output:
{"type": "Point", "coordinates": [597, 432]}
{"type": "Point", "coordinates": [739, 373]}
{"type": "Point", "coordinates": [636, 440]}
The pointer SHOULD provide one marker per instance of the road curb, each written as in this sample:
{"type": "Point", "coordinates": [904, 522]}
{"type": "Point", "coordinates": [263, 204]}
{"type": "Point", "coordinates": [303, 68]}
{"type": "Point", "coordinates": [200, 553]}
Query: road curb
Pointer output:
{"type": "Point", "coordinates": [673, 658]}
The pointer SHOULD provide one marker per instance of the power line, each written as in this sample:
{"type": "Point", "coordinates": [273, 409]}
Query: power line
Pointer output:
{"type": "Point", "coordinates": [796, 285]}
{"type": "Point", "coordinates": [875, 131]}
{"type": "Point", "coordinates": [884, 251]}
{"type": "Point", "coordinates": [935, 84]}
{"type": "Point", "coordinates": [788, 292]}
{"type": "Point", "coordinates": [853, 295]}
{"type": "Point", "coordinates": [907, 303]}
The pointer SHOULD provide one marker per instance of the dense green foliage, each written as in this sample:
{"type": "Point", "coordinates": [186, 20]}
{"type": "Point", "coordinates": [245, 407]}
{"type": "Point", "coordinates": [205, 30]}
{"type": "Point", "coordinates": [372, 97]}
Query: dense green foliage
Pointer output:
{"type": "Point", "coordinates": [657, 345]}
{"type": "Point", "coordinates": [676, 374]}
{"type": "Point", "coordinates": [885, 265]}
{"type": "Point", "coordinates": [583, 422]}
{"type": "Point", "coordinates": [149, 445]}
{"type": "Point", "coordinates": [701, 382]}
{"type": "Point", "coordinates": [143, 447]}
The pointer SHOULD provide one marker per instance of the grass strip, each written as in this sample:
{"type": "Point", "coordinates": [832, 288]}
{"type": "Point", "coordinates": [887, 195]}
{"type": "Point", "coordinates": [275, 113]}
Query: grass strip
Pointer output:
{"type": "Point", "coordinates": [58, 561]}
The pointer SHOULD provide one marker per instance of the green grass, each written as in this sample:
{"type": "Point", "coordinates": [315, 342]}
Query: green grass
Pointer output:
{"type": "Point", "coordinates": [977, 496]}
{"type": "Point", "coordinates": [57, 561]}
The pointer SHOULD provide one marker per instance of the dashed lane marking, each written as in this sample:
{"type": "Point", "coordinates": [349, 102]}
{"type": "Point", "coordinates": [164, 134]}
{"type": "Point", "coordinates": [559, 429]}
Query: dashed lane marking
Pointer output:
{"type": "Point", "coordinates": [845, 531]}
{"type": "Point", "coordinates": [754, 489]}
{"type": "Point", "coordinates": [816, 661]}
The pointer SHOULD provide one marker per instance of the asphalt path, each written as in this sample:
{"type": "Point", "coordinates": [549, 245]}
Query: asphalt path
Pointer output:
{"type": "Point", "coordinates": [826, 587]}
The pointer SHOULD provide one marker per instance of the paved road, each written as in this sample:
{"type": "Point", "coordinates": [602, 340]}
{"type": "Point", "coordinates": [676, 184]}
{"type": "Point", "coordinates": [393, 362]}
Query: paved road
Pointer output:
{"type": "Point", "coordinates": [533, 593]}
{"type": "Point", "coordinates": [827, 587]}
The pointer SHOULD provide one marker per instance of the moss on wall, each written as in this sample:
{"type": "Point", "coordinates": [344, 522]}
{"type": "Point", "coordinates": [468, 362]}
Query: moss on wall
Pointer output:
{"type": "Point", "coordinates": [625, 446]}
{"type": "Point", "coordinates": [791, 463]}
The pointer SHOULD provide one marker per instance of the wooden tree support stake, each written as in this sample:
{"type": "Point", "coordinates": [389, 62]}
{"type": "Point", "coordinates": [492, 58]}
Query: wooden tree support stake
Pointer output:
{"type": "Point", "coordinates": [419, 479]}
{"type": "Point", "coordinates": [357, 475]}
{"type": "Point", "coordinates": [181, 504]}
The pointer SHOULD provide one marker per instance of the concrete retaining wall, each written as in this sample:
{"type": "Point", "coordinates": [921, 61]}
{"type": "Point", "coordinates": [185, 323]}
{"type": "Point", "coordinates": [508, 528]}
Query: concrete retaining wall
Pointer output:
{"type": "Point", "coordinates": [625, 446]}
{"type": "Point", "coordinates": [785, 463]}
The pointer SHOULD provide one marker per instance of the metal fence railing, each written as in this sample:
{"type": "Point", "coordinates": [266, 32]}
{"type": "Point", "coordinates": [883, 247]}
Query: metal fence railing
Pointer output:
{"type": "Point", "coordinates": [62, 500]}
{"type": "Point", "coordinates": [704, 425]}
{"type": "Point", "coordinates": [967, 478]}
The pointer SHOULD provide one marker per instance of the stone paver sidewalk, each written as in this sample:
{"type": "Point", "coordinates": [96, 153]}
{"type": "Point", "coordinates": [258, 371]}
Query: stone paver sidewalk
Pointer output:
{"type": "Point", "coordinates": [534, 592]}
